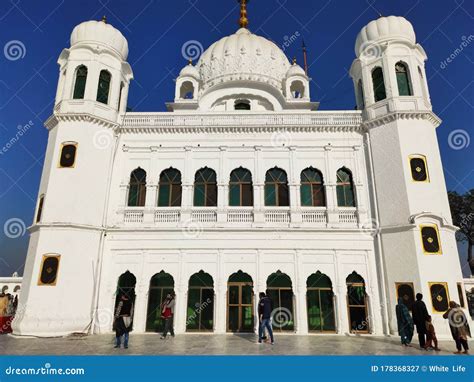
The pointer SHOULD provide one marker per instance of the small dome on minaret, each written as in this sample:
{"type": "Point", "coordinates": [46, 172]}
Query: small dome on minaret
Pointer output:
{"type": "Point", "coordinates": [102, 34]}
{"type": "Point", "coordinates": [384, 29]}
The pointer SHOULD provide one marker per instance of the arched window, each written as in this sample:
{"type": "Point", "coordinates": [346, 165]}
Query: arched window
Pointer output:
{"type": "Point", "coordinates": [242, 104]}
{"type": "Point", "coordinates": [312, 188]}
{"type": "Point", "coordinates": [161, 284]}
{"type": "Point", "coordinates": [280, 292]}
{"type": "Point", "coordinates": [357, 303]}
{"type": "Point", "coordinates": [345, 188]}
{"type": "Point", "coordinates": [200, 310]}
{"type": "Point", "coordinates": [378, 83]}
{"type": "Point", "coordinates": [137, 190]}
{"type": "Point", "coordinates": [403, 79]}
{"type": "Point", "coordinates": [360, 94]}
{"type": "Point", "coordinates": [205, 188]}
{"type": "Point", "coordinates": [104, 87]}
{"type": "Point", "coordinates": [240, 298]}
{"type": "Point", "coordinates": [169, 194]}
{"type": "Point", "coordinates": [276, 188]}
{"type": "Point", "coordinates": [80, 82]}
{"type": "Point", "coordinates": [240, 188]}
{"type": "Point", "coordinates": [297, 89]}
{"type": "Point", "coordinates": [320, 303]}
{"type": "Point", "coordinates": [187, 90]}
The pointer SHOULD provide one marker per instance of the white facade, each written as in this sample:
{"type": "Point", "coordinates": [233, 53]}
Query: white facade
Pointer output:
{"type": "Point", "coordinates": [86, 217]}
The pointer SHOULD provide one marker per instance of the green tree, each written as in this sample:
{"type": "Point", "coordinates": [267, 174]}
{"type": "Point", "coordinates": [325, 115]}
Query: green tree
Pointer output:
{"type": "Point", "coordinates": [462, 210]}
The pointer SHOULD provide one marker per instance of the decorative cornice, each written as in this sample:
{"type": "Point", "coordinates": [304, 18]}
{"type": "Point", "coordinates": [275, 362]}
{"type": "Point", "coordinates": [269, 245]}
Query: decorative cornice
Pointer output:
{"type": "Point", "coordinates": [399, 115]}
{"type": "Point", "coordinates": [54, 119]}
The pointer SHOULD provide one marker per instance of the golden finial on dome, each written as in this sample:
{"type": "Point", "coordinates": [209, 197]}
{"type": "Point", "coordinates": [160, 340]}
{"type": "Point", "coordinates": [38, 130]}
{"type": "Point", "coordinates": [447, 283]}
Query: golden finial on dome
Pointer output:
{"type": "Point", "coordinates": [244, 21]}
{"type": "Point", "coordinates": [294, 60]}
{"type": "Point", "coordinates": [190, 61]}
{"type": "Point", "coordinates": [104, 19]}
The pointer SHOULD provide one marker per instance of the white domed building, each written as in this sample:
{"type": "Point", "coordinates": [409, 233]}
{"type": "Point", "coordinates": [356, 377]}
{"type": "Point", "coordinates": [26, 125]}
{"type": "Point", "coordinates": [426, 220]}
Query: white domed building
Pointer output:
{"type": "Point", "coordinates": [241, 187]}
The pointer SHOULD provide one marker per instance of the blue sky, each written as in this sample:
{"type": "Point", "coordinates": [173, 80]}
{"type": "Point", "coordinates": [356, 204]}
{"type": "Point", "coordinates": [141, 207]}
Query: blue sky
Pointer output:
{"type": "Point", "coordinates": [157, 30]}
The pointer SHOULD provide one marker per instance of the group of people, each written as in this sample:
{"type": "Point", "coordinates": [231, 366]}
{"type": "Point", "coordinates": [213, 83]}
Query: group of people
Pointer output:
{"type": "Point", "coordinates": [407, 322]}
{"type": "Point", "coordinates": [124, 316]}
{"type": "Point", "coordinates": [8, 307]}
{"type": "Point", "coordinates": [424, 325]}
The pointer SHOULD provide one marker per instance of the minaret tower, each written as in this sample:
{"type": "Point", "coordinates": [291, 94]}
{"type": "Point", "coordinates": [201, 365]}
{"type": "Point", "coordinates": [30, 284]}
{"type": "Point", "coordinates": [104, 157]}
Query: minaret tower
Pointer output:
{"type": "Point", "coordinates": [418, 251]}
{"type": "Point", "coordinates": [60, 279]}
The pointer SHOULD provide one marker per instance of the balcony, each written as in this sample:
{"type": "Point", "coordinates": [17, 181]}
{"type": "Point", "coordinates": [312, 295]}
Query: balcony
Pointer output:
{"type": "Point", "coordinates": [307, 217]}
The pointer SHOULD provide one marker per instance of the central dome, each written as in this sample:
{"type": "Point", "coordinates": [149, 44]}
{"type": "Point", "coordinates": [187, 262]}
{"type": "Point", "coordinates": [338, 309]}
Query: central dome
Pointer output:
{"type": "Point", "coordinates": [243, 56]}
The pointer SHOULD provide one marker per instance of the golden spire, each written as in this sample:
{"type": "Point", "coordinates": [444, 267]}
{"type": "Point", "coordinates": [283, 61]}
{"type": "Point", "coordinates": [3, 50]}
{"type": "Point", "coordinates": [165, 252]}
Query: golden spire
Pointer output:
{"type": "Point", "coordinates": [104, 19]}
{"type": "Point", "coordinates": [294, 60]}
{"type": "Point", "coordinates": [190, 61]}
{"type": "Point", "coordinates": [244, 21]}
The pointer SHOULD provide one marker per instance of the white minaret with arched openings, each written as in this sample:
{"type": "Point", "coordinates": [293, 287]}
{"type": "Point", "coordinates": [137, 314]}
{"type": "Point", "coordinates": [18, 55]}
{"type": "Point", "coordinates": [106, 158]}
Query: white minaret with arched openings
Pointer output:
{"type": "Point", "coordinates": [417, 238]}
{"type": "Point", "coordinates": [67, 236]}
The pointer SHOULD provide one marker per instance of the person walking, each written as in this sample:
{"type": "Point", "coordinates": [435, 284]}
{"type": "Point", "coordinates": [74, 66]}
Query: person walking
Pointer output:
{"type": "Point", "coordinates": [404, 322]}
{"type": "Point", "coordinates": [264, 314]}
{"type": "Point", "coordinates": [459, 327]}
{"type": "Point", "coordinates": [123, 321]}
{"type": "Point", "coordinates": [420, 315]}
{"type": "Point", "coordinates": [167, 313]}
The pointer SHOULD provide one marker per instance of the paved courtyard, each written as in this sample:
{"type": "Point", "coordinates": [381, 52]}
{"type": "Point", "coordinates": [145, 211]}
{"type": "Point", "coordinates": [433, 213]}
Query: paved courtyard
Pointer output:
{"type": "Point", "coordinates": [198, 344]}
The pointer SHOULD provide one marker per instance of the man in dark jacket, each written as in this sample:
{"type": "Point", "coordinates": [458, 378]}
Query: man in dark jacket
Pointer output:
{"type": "Point", "coordinates": [420, 315]}
{"type": "Point", "coordinates": [264, 315]}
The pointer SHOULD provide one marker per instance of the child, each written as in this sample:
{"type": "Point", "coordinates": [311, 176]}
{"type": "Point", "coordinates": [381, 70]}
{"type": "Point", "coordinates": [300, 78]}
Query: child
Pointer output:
{"type": "Point", "coordinates": [431, 336]}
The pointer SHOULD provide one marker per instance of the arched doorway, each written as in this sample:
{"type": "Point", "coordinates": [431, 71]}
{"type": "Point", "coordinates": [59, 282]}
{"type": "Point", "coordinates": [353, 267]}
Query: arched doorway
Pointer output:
{"type": "Point", "coordinates": [160, 285]}
{"type": "Point", "coordinates": [240, 303]}
{"type": "Point", "coordinates": [280, 291]}
{"type": "Point", "coordinates": [357, 304]}
{"type": "Point", "coordinates": [320, 303]}
{"type": "Point", "coordinates": [125, 286]}
{"type": "Point", "coordinates": [200, 310]}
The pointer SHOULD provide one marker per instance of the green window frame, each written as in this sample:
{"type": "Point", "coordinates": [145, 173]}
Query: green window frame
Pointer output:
{"type": "Point", "coordinates": [378, 84]}
{"type": "Point", "coordinates": [312, 188]}
{"type": "Point", "coordinates": [403, 79]}
{"type": "Point", "coordinates": [103, 87]}
{"type": "Point", "coordinates": [80, 82]}
{"type": "Point", "coordinates": [345, 188]}
{"type": "Point", "coordinates": [137, 188]}
{"type": "Point", "coordinates": [276, 188]}
{"type": "Point", "coordinates": [240, 188]}
{"type": "Point", "coordinates": [205, 188]}
{"type": "Point", "coordinates": [170, 188]}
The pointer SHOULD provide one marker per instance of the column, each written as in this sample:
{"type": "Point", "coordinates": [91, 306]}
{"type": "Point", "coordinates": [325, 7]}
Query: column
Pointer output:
{"type": "Point", "coordinates": [220, 306]}
{"type": "Point", "coordinates": [187, 190]}
{"type": "Point", "coordinates": [342, 311]}
{"type": "Point", "coordinates": [330, 188]}
{"type": "Point", "coordinates": [140, 308]}
{"type": "Point", "coordinates": [258, 188]}
{"type": "Point", "coordinates": [180, 308]}
{"type": "Point", "coordinates": [150, 203]}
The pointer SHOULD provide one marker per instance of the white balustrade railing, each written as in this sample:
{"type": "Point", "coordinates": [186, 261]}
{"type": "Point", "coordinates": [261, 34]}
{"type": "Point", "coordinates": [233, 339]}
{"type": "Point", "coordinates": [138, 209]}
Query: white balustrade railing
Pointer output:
{"type": "Point", "coordinates": [319, 118]}
{"type": "Point", "coordinates": [204, 215]}
{"type": "Point", "coordinates": [133, 215]}
{"type": "Point", "coordinates": [348, 215]}
{"type": "Point", "coordinates": [314, 215]}
{"type": "Point", "coordinates": [168, 215]}
{"type": "Point", "coordinates": [240, 215]}
{"type": "Point", "coordinates": [277, 215]}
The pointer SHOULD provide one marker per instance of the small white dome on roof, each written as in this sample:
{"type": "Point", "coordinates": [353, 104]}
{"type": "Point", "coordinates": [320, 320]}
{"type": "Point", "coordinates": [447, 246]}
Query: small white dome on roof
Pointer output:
{"type": "Point", "coordinates": [189, 71]}
{"type": "Point", "coordinates": [295, 70]}
{"type": "Point", "coordinates": [100, 33]}
{"type": "Point", "coordinates": [243, 56]}
{"type": "Point", "coordinates": [384, 29]}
